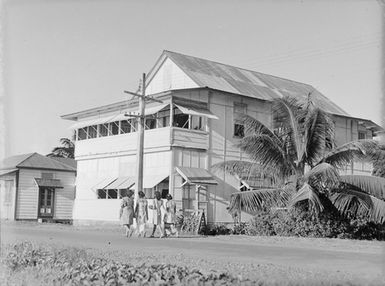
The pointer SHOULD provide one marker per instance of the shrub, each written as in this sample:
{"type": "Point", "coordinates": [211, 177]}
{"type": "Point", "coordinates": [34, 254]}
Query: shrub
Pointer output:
{"type": "Point", "coordinates": [218, 229]}
{"type": "Point", "coordinates": [299, 222]}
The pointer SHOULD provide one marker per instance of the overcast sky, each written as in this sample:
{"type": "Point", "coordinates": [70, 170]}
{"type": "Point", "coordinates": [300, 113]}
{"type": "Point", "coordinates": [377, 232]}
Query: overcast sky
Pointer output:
{"type": "Point", "coordinates": [64, 56]}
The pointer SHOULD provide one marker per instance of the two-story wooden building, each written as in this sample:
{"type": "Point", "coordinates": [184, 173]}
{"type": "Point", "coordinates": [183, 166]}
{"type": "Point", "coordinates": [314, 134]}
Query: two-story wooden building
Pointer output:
{"type": "Point", "coordinates": [194, 128]}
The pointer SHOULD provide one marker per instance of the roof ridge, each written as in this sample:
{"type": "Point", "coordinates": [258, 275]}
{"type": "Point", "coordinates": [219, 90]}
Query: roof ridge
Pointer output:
{"type": "Point", "coordinates": [249, 70]}
{"type": "Point", "coordinates": [25, 159]}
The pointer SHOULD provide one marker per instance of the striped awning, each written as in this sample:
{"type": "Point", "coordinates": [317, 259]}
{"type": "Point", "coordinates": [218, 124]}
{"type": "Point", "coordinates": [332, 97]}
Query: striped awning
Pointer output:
{"type": "Point", "coordinates": [103, 183]}
{"type": "Point", "coordinates": [196, 176]}
{"type": "Point", "coordinates": [153, 180]}
{"type": "Point", "coordinates": [50, 183]}
{"type": "Point", "coordinates": [121, 183]}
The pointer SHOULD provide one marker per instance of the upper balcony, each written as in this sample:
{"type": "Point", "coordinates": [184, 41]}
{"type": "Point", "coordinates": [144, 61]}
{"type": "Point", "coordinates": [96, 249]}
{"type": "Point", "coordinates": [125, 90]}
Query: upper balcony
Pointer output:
{"type": "Point", "coordinates": [183, 125]}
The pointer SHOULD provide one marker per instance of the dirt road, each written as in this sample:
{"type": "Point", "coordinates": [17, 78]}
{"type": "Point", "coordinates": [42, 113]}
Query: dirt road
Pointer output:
{"type": "Point", "coordinates": [283, 259]}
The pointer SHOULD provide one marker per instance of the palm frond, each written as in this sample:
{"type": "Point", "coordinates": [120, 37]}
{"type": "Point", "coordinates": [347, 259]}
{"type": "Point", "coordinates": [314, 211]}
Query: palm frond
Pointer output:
{"type": "Point", "coordinates": [254, 126]}
{"type": "Point", "coordinates": [288, 111]}
{"type": "Point", "coordinates": [261, 148]}
{"type": "Point", "coordinates": [377, 213]}
{"type": "Point", "coordinates": [317, 127]}
{"type": "Point", "coordinates": [323, 175]}
{"type": "Point", "coordinates": [307, 193]}
{"type": "Point", "coordinates": [255, 200]}
{"type": "Point", "coordinates": [346, 153]}
{"type": "Point", "coordinates": [67, 143]}
{"type": "Point", "coordinates": [352, 202]}
{"type": "Point", "coordinates": [369, 184]}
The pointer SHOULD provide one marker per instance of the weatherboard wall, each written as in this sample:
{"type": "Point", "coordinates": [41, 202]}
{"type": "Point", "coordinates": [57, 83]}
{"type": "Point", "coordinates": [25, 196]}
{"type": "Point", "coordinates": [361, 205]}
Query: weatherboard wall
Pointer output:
{"type": "Point", "coordinates": [169, 76]}
{"type": "Point", "coordinates": [94, 170]}
{"type": "Point", "coordinates": [28, 194]}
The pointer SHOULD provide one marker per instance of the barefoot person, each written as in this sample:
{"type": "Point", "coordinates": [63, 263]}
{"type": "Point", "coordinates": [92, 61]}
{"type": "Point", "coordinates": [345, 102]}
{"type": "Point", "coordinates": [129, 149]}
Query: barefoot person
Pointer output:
{"type": "Point", "coordinates": [170, 217]}
{"type": "Point", "coordinates": [156, 216]}
{"type": "Point", "coordinates": [127, 212]}
{"type": "Point", "coordinates": [141, 214]}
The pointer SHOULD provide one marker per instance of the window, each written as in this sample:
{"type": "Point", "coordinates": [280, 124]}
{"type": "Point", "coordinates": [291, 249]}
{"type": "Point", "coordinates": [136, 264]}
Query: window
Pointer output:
{"type": "Point", "coordinates": [92, 131]}
{"type": "Point", "coordinates": [361, 135]}
{"type": "Point", "coordinates": [163, 118]}
{"type": "Point", "coordinates": [122, 193]}
{"type": "Point", "coordinates": [114, 127]}
{"type": "Point", "coordinates": [181, 120]}
{"type": "Point", "coordinates": [150, 123]}
{"type": "Point", "coordinates": [102, 194]}
{"type": "Point", "coordinates": [239, 130]}
{"type": "Point", "coordinates": [103, 130]}
{"type": "Point", "coordinates": [125, 126]}
{"type": "Point", "coordinates": [197, 123]}
{"type": "Point", "coordinates": [107, 194]}
{"type": "Point", "coordinates": [82, 133]}
{"type": "Point", "coordinates": [240, 109]}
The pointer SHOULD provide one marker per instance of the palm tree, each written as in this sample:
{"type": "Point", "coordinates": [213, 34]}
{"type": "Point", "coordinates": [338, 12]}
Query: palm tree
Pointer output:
{"type": "Point", "coordinates": [302, 161]}
{"type": "Point", "coordinates": [67, 149]}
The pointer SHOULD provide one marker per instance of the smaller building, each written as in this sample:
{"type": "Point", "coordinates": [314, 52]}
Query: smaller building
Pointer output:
{"type": "Point", "coordinates": [33, 186]}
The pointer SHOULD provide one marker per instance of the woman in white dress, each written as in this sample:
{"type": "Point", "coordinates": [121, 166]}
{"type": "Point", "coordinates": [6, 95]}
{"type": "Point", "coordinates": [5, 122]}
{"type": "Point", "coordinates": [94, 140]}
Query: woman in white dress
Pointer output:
{"type": "Point", "coordinates": [156, 217]}
{"type": "Point", "coordinates": [127, 212]}
{"type": "Point", "coordinates": [141, 214]}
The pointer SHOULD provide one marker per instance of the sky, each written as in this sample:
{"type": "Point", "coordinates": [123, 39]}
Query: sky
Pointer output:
{"type": "Point", "coordinates": [63, 56]}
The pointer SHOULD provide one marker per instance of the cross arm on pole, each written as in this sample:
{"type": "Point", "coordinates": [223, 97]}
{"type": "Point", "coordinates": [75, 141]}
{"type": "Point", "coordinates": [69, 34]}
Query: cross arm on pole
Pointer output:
{"type": "Point", "coordinates": [148, 98]}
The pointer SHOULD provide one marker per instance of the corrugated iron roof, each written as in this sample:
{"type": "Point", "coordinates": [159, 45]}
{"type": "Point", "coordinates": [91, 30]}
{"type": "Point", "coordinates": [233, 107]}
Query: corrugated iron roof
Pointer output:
{"type": "Point", "coordinates": [236, 80]}
{"type": "Point", "coordinates": [67, 161]}
{"type": "Point", "coordinates": [35, 161]}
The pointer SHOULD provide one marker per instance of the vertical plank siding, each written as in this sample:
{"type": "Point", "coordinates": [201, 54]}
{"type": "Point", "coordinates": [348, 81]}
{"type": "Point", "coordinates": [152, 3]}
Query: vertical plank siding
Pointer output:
{"type": "Point", "coordinates": [7, 200]}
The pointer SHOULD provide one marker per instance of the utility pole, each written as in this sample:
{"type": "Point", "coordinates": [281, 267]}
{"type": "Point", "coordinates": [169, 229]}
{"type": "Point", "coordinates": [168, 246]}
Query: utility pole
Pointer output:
{"type": "Point", "coordinates": [141, 126]}
{"type": "Point", "coordinates": [140, 149]}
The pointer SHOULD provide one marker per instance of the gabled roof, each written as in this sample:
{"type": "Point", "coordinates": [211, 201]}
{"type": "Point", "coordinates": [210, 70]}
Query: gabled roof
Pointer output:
{"type": "Point", "coordinates": [67, 161]}
{"type": "Point", "coordinates": [34, 161]}
{"type": "Point", "coordinates": [206, 73]}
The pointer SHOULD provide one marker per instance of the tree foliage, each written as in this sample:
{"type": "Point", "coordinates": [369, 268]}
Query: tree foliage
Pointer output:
{"type": "Point", "coordinates": [67, 150]}
{"type": "Point", "coordinates": [302, 159]}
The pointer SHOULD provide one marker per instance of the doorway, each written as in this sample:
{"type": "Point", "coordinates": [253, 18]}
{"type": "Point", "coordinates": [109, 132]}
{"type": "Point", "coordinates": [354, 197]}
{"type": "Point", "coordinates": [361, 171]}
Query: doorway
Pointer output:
{"type": "Point", "coordinates": [46, 202]}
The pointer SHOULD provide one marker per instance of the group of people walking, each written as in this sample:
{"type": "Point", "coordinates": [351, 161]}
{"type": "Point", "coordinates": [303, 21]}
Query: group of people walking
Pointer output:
{"type": "Point", "coordinates": [162, 215]}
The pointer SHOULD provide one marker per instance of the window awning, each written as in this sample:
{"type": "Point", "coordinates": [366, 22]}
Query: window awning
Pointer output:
{"type": "Point", "coordinates": [193, 107]}
{"type": "Point", "coordinates": [196, 176]}
{"type": "Point", "coordinates": [148, 111]}
{"type": "Point", "coordinates": [152, 181]}
{"type": "Point", "coordinates": [8, 171]}
{"type": "Point", "coordinates": [121, 183]}
{"type": "Point", "coordinates": [154, 109]}
{"type": "Point", "coordinates": [91, 122]}
{"type": "Point", "coordinates": [103, 183]}
{"type": "Point", "coordinates": [51, 183]}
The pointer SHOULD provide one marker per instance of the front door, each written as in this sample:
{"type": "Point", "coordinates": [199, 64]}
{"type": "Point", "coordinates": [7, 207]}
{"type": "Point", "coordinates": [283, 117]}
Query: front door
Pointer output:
{"type": "Point", "coordinates": [46, 199]}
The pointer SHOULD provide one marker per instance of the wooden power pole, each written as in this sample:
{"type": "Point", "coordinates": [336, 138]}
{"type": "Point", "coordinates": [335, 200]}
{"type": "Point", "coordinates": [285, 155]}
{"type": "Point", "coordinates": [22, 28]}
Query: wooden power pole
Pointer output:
{"type": "Point", "coordinates": [140, 149]}
{"type": "Point", "coordinates": [141, 126]}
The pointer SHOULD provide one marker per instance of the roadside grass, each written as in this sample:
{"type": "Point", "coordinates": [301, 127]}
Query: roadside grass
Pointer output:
{"type": "Point", "coordinates": [29, 263]}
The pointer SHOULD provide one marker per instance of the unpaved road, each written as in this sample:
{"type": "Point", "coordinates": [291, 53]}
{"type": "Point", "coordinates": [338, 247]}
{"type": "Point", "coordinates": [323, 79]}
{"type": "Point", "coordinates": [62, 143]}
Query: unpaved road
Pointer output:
{"type": "Point", "coordinates": [276, 259]}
